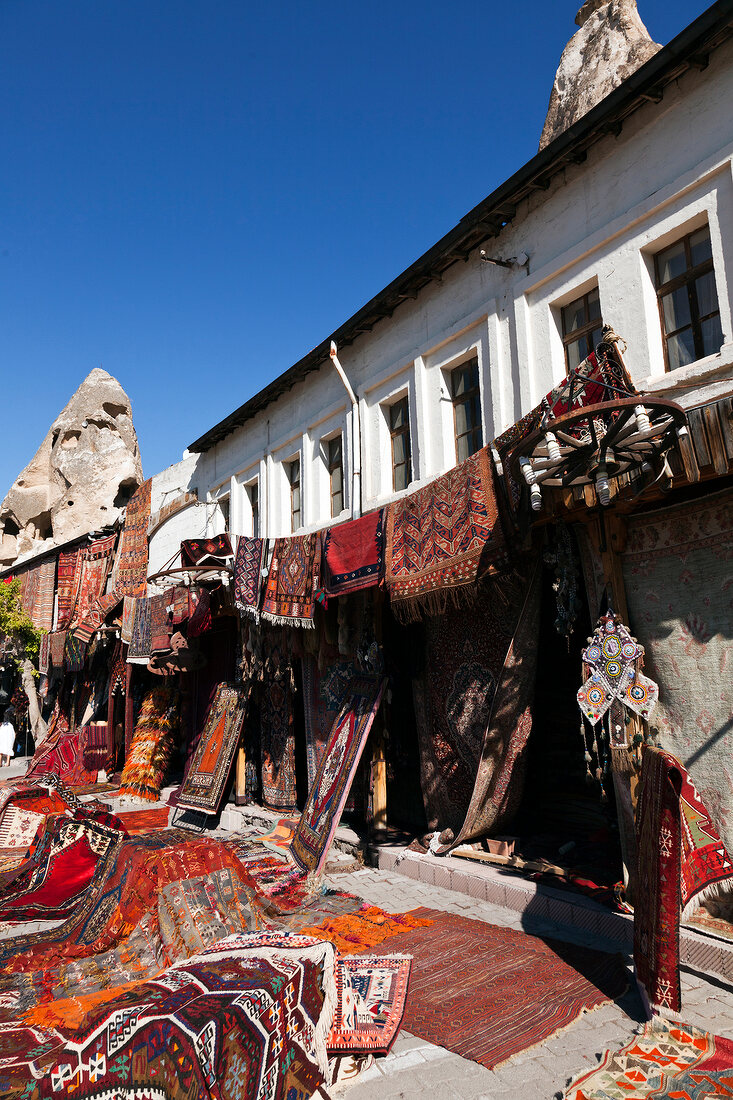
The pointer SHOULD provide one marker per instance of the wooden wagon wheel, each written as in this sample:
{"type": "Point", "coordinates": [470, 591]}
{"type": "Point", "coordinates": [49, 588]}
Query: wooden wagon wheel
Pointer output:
{"type": "Point", "coordinates": [190, 574]}
{"type": "Point", "coordinates": [590, 445]}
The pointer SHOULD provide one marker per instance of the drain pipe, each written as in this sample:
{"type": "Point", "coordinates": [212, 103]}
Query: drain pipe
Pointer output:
{"type": "Point", "coordinates": [355, 435]}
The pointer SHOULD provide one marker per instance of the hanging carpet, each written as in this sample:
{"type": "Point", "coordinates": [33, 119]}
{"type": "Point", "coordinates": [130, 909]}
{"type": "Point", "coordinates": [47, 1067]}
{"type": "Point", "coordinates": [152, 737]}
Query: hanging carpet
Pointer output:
{"type": "Point", "coordinates": [140, 638]}
{"type": "Point", "coordinates": [62, 754]}
{"type": "Point", "coordinates": [131, 573]}
{"type": "Point", "coordinates": [160, 624]}
{"type": "Point", "coordinates": [323, 697]}
{"type": "Point", "coordinates": [152, 744]}
{"type": "Point", "coordinates": [75, 651]}
{"type": "Point", "coordinates": [440, 538]}
{"type": "Point", "coordinates": [488, 993]}
{"type": "Point", "coordinates": [473, 706]}
{"type": "Point", "coordinates": [215, 552]}
{"type": "Point", "coordinates": [372, 991]}
{"type": "Point", "coordinates": [66, 587]}
{"type": "Point", "coordinates": [277, 733]}
{"type": "Point", "coordinates": [678, 572]}
{"type": "Point", "coordinates": [680, 859]}
{"type": "Point", "coordinates": [322, 813]}
{"type": "Point", "coordinates": [353, 555]}
{"type": "Point", "coordinates": [98, 750]}
{"type": "Point", "coordinates": [248, 563]}
{"type": "Point", "coordinates": [38, 593]}
{"type": "Point", "coordinates": [206, 779]}
{"type": "Point", "coordinates": [667, 1061]}
{"type": "Point", "coordinates": [293, 580]}
{"type": "Point", "coordinates": [91, 575]}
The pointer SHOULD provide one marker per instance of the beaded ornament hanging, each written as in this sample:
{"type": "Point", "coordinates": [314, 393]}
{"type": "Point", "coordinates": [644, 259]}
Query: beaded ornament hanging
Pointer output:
{"type": "Point", "coordinates": [612, 673]}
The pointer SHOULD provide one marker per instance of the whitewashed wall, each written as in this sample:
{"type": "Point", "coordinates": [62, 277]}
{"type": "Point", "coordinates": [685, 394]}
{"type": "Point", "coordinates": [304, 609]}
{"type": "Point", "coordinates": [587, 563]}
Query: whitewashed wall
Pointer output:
{"type": "Point", "coordinates": [600, 223]}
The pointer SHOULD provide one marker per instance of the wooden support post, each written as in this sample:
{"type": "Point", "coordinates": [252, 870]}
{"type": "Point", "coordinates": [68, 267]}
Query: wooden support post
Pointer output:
{"type": "Point", "coordinates": [379, 784]}
{"type": "Point", "coordinates": [240, 780]}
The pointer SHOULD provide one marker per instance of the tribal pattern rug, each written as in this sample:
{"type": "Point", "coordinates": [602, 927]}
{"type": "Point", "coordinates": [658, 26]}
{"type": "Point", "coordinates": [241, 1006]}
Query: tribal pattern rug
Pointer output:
{"type": "Point", "coordinates": [473, 707]}
{"type": "Point", "coordinates": [353, 555]}
{"type": "Point", "coordinates": [141, 636]}
{"type": "Point", "coordinates": [66, 587]}
{"type": "Point", "coordinates": [131, 576]}
{"type": "Point", "coordinates": [246, 1017]}
{"type": "Point", "coordinates": [681, 860]}
{"type": "Point", "coordinates": [372, 991]}
{"type": "Point", "coordinates": [92, 568]}
{"type": "Point", "coordinates": [277, 734]}
{"type": "Point", "coordinates": [439, 538]}
{"type": "Point", "coordinates": [323, 697]}
{"type": "Point", "coordinates": [128, 618]}
{"type": "Point", "coordinates": [206, 779]}
{"type": "Point", "coordinates": [665, 1061]}
{"type": "Point", "coordinates": [160, 624]}
{"type": "Point", "coordinates": [38, 593]}
{"type": "Point", "coordinates": [62, 755]}
{"type": "Point", "coordinates": [678, 572]}
{"type": "Point", "coordinates": [152, 745]}
{"type": "Point", "coordinates": [216, 551]}
{"type": "Point", "coordinates": [466, 973]}
{"type": "Point", "coordinates": [325, 804]}
{"type": "Point", "coordinates": [248, 563]}
{"type": "Point", "coordinates": [294, 579]}
{"type": "Point", "coordinates": [75, 651]}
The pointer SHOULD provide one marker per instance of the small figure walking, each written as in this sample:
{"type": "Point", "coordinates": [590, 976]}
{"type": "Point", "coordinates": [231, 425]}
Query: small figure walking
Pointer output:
{"type": "Point", "coordinates": [7, 738]}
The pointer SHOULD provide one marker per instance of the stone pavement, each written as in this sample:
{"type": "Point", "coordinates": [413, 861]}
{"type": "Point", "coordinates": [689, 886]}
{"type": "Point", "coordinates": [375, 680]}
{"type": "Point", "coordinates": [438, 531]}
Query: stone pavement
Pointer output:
{"type": "Point", "coordinates": [415, 1068]}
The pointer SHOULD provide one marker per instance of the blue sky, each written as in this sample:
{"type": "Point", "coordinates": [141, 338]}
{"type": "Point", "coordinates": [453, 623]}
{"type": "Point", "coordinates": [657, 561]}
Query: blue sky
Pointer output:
{"type": "Point", "coordinates": [195, 194]}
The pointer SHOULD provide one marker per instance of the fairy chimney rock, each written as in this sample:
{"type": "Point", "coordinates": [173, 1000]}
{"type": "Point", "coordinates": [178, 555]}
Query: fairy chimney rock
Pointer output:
{"type": "Point", "coordinates": [611, 44]}
{"type": "Point", "coordinates": [80, 478]}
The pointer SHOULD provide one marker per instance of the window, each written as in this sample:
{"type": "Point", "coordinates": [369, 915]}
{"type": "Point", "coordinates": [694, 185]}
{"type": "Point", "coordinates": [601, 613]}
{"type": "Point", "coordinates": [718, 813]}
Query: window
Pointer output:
{"type": "Point", "coordinates": [293, 472]}
{"type": "Point", "coordinates": [253, 494]}
{"type": "Point", "coordinates": [334, 461]}
{"type": "Point", "coordinates": [466, 409]}
{"type": "Point", "coordinates": [582, 328]}
{"type": "Point", "coordinates": [223, 503]}
{"type": "Point", "coordinates": [399, 430]}
{"type": "Point", "coordinates": [688, 300]}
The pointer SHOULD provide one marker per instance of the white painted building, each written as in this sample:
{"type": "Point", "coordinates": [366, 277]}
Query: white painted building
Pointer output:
{"type": "Point", "coordinates": [625, 219]}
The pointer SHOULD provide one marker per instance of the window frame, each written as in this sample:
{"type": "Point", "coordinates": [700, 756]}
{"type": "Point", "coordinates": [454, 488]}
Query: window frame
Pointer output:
{"type": "Point", "coordinates": [293, 485]}
{"type": "Point", "coordinates": [689, 279]}
{"type": "Point", "coordinates": [403, 401]}
{"type": "Point", "coordinates": [252, 489]}
{"type": "Point", "coordinates": [464, 399]}
{"type": "Point", "coordinates": [585, 331]}
{"type": "Point", "coordinates": [331, 467]}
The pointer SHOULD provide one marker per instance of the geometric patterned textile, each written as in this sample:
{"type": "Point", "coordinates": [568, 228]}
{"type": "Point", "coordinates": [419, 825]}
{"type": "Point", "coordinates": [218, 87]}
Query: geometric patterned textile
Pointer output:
{"type": "Point", "coordinates": [19, 827]}
{"type": "Point", "coordinates": [66, 582]}
{"type": "Point", "coordinates": [128, 618]}
{"type": "Point", "coordinates": [98, 753]}
{"type": "Point", "coordinates": [216, 551]}
{"type": "Point", "coordinates": [91, 575]}
{"type": "Point", "coordinates": [44, 654]}
{"type": "Point", "coordinates": [666, 1060]}
{"type": "Point", "coordinates": [441, 537]}
{"type": "Point", "coordinates": [38, 593]}
{"type": "Point", "coordinates": [140, 638]}
{"type": "Point", "coordinates": [681, 861]}
{"type": "Point", "coordinates": [248, 575]}
{"type": "Point", "coordinates": [293, 580]}
{"type": "Point", "coordinates": [678, 574]}
{"type": "Point", "coordinates": [488, 993]}
{"type": "Point", "coordinates": [277, 733]}
{"type": "Point", "coordinates": [613, 659]}
{"type": "Point", "coordinates": [152, 744]}
{"type": "Point", "coordinates": [323, 697]}
{"type": "Point", "coordinates": [244, 1018]}
{"type": "Point", "coordinates": [206, 778]}
{"type": "Point", "coordinates": [131, 575]}
{"type": "Point", "coordinates": [61, 754]}
{"type": "Point", "coordinates": [371, 1003]}
{"type": "Point", "coordinates": [454, 696]}
{"type": "Point", "coordinates": [75, 651]}
{"type": "Point", "coordinates": [56, 647]}
{"type": "Point", "coordinates": [353, 555]}
{"type": "Point", "coordinates": [322, 813]}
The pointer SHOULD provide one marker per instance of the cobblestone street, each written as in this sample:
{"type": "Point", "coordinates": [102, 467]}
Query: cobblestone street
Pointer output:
{"type": "Point", "coordinates": [415, 1068]}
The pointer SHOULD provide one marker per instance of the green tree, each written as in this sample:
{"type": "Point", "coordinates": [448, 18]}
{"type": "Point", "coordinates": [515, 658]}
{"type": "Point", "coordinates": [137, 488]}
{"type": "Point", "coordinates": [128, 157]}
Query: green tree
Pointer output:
{"type": "Point", "coordinates": [21, 642]}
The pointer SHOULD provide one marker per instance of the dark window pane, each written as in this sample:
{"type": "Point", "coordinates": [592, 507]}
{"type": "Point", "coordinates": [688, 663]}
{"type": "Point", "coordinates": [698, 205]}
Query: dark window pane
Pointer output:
{"type": "Point", "coordinates": [672, 262]}
{"type": "Point", "coordinates": [462, 419]}
{"type": "Point", "coordinates": [463, 450]}
{"type": "Point", "coordinates": [398, 415]}
{"type": "Point", "coordinates": [594, 305]}
{"type": "Point", "coordinates": [676, 309]}
{"type": "Point", "coordinates": [401, 477]}
{"type": "Point", "coordinates": [681, 349]}
{"type": "Point", "coordinates": [574, 316]}
{"type": "Point", "coordinates": [574, 354]}
{"type": "Point", "coordinates": [707, 294]}
{"type": "Point", "coordinates": [334, 451]}
{"type": "Point", "coordinates": [399, 449]}
{"type": "Point", "coordinates": [700, 246]}
{"type": "Point", "coordinates": [712, 335]}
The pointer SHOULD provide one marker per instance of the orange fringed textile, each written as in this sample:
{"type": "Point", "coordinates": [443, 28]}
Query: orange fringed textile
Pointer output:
{"type": "Point", "coordinates": [358, 931]}
{"type": "Point", "coordinates": [152, 745]}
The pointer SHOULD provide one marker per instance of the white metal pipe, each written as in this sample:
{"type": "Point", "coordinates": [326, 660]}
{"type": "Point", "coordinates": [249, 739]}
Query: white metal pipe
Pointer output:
{"type": "Point", "coordinates": [355, 436]}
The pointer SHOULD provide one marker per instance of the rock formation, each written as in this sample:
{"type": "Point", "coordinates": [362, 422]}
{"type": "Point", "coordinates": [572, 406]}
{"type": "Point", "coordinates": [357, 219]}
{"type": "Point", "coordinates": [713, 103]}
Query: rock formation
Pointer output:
{"type": "Point", "coordinates": [611, 44]}
{"type": "Point", "coordinates": [81, 476]}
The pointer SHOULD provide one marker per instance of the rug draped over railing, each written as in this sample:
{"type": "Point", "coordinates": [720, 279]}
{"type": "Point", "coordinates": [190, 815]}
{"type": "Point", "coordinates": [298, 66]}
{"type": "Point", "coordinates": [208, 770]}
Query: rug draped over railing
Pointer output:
{"type": "Point", "coordinates": [248, 579]}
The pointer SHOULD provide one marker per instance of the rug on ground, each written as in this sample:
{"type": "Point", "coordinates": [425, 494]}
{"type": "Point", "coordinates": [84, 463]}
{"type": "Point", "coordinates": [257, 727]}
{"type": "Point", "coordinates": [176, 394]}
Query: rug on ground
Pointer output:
{"type": "Point", "coordinates": [206, 779]}
{"type": "Point", "coordinates": [372, 991]}
{"type": "Point", "coordinates": [666, 1061]}
{"type": "Point", "coordinates": [465, 973]}
{"type": "Point", "coordinates": [325, 804]}
{"type": "Point", "coordinates": [681, 859]}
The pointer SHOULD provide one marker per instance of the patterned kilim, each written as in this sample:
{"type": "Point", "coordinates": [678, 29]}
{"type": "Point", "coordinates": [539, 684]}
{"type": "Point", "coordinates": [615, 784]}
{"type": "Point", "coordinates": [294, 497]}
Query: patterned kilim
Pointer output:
{"type": "Point", "coordinates": [62, 754]}
{"type": "Point", "coordinates": [216, 551]}
{"type": "Point", "coordinates": [44, 655]}
{"type": "Point", "coordinates": [132, 566]}
{"type": "Point", "coordinates": [160, 626]}
{"type": "Point", "coordinates": [488, 993]}
{"type": "Point", "coordinates": [19, 827]}
{"type": "Point", "coordinates": [94, 617]}
{"type": "Point", "coordinates": [666, 1061]}
{"type": "Point", "coordinates": [294, 578]}
{"type": "Point", "coordinates": [206, 779]}
{"type": "Point", "coordinates": [98, 750]}
{"type": "Point", "coordinates": [59, 867]}
{"type": "Point", "coordinates": [681, 860]}
{"type": "Point", "coordinates": [152, 745]}
{"type": "Point", "coordinates": [439, 537]}
{"type": "Point", "coordinates": [75, 651]}
{"type": "Point", "coordinates": [353, 555]}
{"type": "Point", "coordinates": [371, 1003]}
{"type": "Point", "coordinates": [66, 582]}
{"type": "Point", "coordinates": [473, 707]}
{"type": "Point", "coordinates": [128, 618]}
{"type": "Point", "coordinates": [248, 565]}
{"type": "Point", "coordinates": [677, 573]}
{"type": "Point", "coordinates": [56, 648]}
{"type": "Point", "coordinates": [325, 804]}
{"type": "Point", "coordinates": [140, 639]}
{"type": "Point", "coordinates": [277, 734]}
{"type": "Point", "coordinates": [91, 575]}
{"type": "Point", "coordinates": [38, 593]}
{"type": "Point", "coordinates": [247, 1017]}
{"type": "Point", "coordinates": [144, 821]}
{"type": "Point", "coordinates": [323, 697]}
